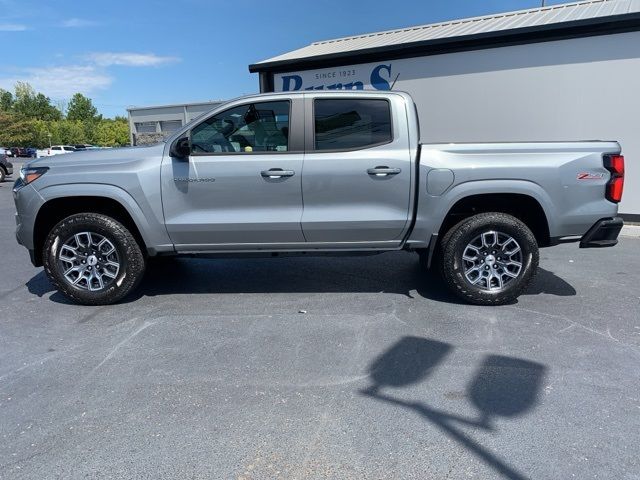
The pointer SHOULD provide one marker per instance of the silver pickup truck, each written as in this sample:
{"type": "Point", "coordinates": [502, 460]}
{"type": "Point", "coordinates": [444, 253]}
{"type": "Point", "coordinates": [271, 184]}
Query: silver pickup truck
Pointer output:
{"type": "Point", "coordinates": [316, 173]}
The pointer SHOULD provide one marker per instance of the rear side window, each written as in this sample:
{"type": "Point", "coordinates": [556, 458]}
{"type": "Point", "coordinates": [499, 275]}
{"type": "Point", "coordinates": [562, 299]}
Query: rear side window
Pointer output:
{"type": "Point", "coordinates": [345, 124]}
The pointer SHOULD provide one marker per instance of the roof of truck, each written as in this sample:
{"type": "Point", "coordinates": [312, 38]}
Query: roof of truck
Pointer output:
{"type": "Point", "coordinates": [579, 18]}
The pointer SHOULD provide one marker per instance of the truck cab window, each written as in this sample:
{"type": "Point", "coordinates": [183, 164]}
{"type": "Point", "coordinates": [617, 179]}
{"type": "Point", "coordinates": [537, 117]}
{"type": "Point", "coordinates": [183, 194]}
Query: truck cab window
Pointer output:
{"type": "Point", "coordinates": [346, 124]}
{"type": "Point", "coordinates": [254, 127]}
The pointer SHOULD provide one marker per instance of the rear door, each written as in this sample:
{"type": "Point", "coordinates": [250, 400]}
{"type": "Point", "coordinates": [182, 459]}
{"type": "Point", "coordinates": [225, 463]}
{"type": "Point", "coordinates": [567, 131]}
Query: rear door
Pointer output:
{"type": "Point", "coordinates": [241, 187]}
{"type": "Point", "coordinates": [357, 174]}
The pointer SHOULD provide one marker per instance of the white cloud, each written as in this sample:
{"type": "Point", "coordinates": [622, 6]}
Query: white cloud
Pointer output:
{"type": "Point", "coordinates": [129, 59]}
{"type": "Point", "coordinates": [78, 23]}
{"type": "Point", "coordinates": [61, 82]}
{"type": "Point", "coordinates": [12, 27]}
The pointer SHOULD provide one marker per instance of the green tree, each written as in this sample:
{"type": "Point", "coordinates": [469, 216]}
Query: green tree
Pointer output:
{"type": "Point", "coordinates": [81, 108]}
{"type": "Point", "coordinates": [71, 132]}
{"type": "Point", "coordinates": [40, 133]}
{"type": "Point", "coordinates": [6, 100]}
{"type": "Point", "coordinates": [15, 130]}
{"type": "Point", "coordinates": [28, 119]}
{"type": "Point", "coordinates": [33, 105]}
{"type": "Point", "coordinates": [112, 133]}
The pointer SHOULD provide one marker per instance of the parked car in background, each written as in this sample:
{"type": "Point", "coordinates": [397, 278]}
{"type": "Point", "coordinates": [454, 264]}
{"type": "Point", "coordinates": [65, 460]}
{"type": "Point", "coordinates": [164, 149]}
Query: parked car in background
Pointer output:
{"type": "Point", "coordinates": [60, 149]}
{"type": "Point", "coordinates": [6, 167]}
{"type": "Point", "coordinates": [26, 152]}
{"type": "Point", "coordinates": [85, 146]}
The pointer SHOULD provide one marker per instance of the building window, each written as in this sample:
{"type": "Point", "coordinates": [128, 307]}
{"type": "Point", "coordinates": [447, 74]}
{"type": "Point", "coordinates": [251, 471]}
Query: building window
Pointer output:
{"type": "Point", "coordinates": [346, 124]}
{"type": "Point", "coordinates": [145, 127]}
{"type": "Point", "coordinates": [170, 126]}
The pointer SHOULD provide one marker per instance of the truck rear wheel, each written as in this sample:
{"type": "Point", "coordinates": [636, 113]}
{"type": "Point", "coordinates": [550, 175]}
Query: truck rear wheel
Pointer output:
{"type": "Point", "coordinates": [93, 259]}
{"type": "Point", "coordinates": [489, 259]}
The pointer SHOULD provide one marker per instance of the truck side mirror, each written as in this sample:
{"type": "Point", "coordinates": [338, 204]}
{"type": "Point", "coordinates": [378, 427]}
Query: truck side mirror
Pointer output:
{"type": "Point", "coordinates": [180, 148]}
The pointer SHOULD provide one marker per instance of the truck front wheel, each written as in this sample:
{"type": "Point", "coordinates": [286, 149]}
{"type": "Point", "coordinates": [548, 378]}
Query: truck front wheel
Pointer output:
{"type": "Point", "coordinates": [93, 259]}
{"type": "Point", "coordinates": [489, 258]}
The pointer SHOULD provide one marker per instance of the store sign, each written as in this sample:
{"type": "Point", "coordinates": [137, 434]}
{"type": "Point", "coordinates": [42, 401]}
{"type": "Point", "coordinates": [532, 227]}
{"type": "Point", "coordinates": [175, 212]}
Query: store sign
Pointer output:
{"type": "Point", "coordinates": [377, 76]}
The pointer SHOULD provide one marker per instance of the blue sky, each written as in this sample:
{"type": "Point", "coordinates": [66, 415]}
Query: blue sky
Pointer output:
{"type": "Point", "coordinates": [147, 52]}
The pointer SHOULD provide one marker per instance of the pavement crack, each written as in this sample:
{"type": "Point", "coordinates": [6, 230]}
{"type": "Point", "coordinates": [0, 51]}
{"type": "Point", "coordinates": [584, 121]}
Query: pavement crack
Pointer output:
{"type": "Point", "coordinates": [117, 347]}
{"type": "Point", "coordinates": [10, 292]}
{"type": "Point", "coordinates": [572, 323]}
{"type": "Point", "coordinates": [29, 365]}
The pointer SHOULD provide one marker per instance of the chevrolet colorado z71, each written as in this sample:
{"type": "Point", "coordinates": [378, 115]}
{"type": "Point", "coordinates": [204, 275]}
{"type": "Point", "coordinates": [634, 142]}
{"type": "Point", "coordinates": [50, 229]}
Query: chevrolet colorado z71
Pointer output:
{"type": "Point", "coordinates": [317, 173]}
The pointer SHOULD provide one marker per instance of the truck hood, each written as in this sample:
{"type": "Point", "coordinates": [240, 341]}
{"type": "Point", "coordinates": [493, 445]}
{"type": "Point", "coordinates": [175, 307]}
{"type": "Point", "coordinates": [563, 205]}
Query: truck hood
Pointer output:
{"type": "Point", "coordinates": [94, 158]}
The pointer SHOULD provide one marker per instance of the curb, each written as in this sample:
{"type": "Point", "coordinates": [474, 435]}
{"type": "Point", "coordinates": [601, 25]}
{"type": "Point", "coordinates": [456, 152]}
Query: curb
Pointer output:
{"type": "Point", "coordinates": [630, 231]}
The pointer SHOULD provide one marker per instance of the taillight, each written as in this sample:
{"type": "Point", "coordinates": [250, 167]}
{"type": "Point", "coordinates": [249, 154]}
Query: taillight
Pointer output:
{"type": "Point", "coordinates": [615, 164]}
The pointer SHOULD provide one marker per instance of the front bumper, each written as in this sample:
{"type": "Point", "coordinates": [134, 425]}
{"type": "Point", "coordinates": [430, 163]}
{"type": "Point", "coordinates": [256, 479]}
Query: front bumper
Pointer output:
{"type": "Point", "coordinates": [28, 202]}
{"type": "Point", "coordinates": [604, 233]}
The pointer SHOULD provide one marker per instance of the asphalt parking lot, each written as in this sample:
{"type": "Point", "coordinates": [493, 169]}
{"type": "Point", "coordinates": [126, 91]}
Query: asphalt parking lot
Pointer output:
{"type": "Point", "coordinates": [322, 368]}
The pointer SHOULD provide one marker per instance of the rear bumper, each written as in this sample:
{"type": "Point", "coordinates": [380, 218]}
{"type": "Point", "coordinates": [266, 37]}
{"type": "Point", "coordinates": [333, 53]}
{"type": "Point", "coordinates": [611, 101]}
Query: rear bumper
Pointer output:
{"type": "Point", "coordinates": [603, 233]}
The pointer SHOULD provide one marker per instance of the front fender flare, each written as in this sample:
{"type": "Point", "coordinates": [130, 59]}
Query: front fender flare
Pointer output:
{"type": "Point", "coordinates": [152, 230]}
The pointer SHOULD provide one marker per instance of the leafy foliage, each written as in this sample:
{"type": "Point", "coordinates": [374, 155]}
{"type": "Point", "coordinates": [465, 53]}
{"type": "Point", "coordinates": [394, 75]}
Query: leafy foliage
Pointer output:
{"type": "Point", "coordinates": [31, 104]}
{"type": "Point", "coordinates": [6, 100]}
{"type": "Point", "coordinates": [81, 108]}
{"type": "Point", "coordinates": [112, 132]}
{"type": "Point", "coordinates": [16, 128]}
{"type": "Point", "coordinates": [28, 119]}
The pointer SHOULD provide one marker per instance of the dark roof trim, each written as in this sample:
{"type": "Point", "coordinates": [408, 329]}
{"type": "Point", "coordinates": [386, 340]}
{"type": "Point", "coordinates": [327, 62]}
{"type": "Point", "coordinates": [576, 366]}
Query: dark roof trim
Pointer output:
{"type": "Point", "coordinates": [627, 22]}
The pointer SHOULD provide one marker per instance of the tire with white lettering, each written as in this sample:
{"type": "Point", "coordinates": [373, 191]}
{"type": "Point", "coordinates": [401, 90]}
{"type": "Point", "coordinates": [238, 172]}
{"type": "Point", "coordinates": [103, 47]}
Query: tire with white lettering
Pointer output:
{"type": "Point", "coordinates": [93, 259]}
{"type": "Point", "coordinates": [489, 258]}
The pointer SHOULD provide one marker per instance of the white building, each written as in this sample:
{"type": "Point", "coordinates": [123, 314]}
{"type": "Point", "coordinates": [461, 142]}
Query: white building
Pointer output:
{"type": "Point", "coordinates": [151, 124]}
{"type": "Point", "coordinates": [564, 72]}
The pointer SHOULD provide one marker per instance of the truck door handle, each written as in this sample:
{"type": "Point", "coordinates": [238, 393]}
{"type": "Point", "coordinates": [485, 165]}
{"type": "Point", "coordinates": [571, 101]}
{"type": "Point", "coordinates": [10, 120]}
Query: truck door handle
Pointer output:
{"type": "Point", "coordinates": [383, 171]}
{"type": "Point", "coordinates": [277, 173]}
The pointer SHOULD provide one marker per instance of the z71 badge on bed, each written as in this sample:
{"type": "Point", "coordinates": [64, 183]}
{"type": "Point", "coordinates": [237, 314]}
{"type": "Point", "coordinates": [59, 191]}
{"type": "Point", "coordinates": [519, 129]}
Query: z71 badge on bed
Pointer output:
{"type": "Point", "coordinates": [590, 176]}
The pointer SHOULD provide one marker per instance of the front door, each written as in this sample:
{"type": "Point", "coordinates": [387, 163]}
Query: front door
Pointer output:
{"type": "Point", "coordinates": [241, 185]}
{"type": "Point", "coordinates": [357, 171]}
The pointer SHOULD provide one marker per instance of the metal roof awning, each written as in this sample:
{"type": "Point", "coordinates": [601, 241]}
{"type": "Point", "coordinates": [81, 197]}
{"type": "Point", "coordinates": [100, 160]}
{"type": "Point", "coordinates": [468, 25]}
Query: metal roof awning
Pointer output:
{"type": "Point", "coordinates": [593, 17]}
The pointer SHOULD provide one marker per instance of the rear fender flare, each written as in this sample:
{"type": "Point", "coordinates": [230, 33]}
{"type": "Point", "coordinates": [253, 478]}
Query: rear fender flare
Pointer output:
{"type": "Point", "coordinates": [434, 217]}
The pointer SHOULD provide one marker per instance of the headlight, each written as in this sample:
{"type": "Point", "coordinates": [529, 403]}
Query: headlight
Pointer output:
{"type": "Point", "coordinates": [28, 175]}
